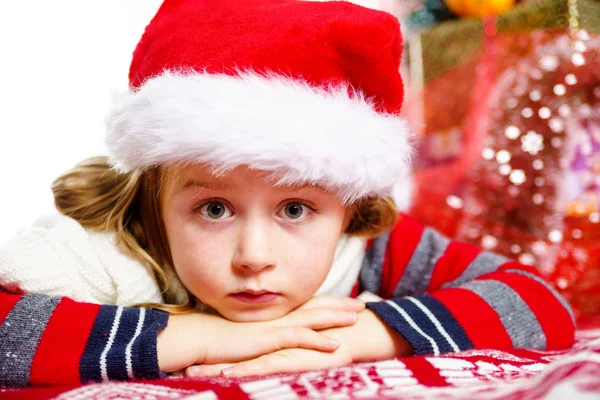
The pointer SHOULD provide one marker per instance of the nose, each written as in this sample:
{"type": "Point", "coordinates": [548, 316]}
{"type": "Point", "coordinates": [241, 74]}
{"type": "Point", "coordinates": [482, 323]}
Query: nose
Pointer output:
{"type": "Point", "coordinates": [253, 248]}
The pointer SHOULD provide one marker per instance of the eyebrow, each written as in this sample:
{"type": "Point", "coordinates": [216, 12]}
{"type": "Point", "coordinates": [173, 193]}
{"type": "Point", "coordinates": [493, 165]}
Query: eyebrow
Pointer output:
{"type": "Point", "coordinates": [297, 188]}
{"type": "Point", "coordinates": [192, 184]}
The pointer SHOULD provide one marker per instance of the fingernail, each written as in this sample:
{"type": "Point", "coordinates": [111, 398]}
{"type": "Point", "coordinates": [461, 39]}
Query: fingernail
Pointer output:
{"type": "Point", "coordinates": [352, 316]}
{"type": "Point", "coordinates": [227, 372]}
{"type": "Point", "coordinates": [193, 371]}
{"type": "Point", "coordinates": [334, 343]}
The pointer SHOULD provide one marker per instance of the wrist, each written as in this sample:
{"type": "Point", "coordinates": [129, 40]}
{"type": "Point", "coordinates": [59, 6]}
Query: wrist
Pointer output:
{"type": "Point", "coordinates": [392, 343]}
{"type": "Point", "coordinates": [178, 346]}
{"type": "Point", "coordinates": [370, 339]}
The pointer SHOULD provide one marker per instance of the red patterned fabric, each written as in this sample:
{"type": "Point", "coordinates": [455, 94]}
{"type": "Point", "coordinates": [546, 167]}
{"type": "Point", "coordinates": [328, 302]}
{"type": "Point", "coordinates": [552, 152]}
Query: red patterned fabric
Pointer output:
{"type": "Point", "coordinates": [489, 374]}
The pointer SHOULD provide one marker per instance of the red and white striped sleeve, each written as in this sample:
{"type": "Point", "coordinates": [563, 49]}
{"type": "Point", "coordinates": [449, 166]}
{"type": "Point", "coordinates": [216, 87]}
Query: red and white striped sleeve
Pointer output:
{"type": "Point", "coordinates": [446, 296]}
{"type": "Point", "coordinates": [47, 340]}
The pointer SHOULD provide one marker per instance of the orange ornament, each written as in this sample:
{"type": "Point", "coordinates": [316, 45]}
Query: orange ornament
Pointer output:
{"type": "Point", "coordinates": [479, 8]}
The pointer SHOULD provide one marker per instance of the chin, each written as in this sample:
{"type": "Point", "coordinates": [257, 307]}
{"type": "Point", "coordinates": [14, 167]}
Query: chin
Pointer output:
{"type": "Point", "coordinates": [258, 315]}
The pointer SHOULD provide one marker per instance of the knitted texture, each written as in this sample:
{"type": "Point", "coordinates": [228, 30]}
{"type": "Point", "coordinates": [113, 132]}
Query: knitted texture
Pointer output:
{"type": "Point", "coordinates": [57, 256]}
{"type": "Point", "coordinates": [52, 340]}
{"type": "Point", "coordinates": [446, 296]}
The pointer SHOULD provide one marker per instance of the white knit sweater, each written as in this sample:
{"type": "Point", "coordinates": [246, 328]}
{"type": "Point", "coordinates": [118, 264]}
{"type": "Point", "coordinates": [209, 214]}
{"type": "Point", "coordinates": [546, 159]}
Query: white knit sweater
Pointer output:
{"type": "Point", "coordinates": [57, 256]}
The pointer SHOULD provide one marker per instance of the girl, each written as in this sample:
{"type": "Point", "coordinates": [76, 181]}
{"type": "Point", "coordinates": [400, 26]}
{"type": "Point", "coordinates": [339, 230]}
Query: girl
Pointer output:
{"type": "Point", "coordinates": [251, 173]}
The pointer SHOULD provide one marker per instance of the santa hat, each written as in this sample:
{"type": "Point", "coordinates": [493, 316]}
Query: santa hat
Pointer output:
{"type": "Point", "coordinates": [309, 91]}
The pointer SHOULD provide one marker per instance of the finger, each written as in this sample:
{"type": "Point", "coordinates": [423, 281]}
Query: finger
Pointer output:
{"type": "Point", "coordinates": [197, 371]}
{"type": "Point", "coordinates": [319, 318]}
{"type": "Point", "coordinates": [335, 303]}
{"type": "Point", "coordinates": [293, 336]}
{"type": "Point", "coordinates": [279, 362]}
{"type": "Point", "coordinates": [272, 339]}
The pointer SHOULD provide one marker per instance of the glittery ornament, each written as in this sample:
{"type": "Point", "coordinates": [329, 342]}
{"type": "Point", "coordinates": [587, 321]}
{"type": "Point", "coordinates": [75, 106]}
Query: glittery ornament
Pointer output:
{"type": "Point", "coordinates": [527, 182]}
{"type": "Point", "coordinates": [432, 12]}
{"type": "Point", "coordinates": [478, 8]}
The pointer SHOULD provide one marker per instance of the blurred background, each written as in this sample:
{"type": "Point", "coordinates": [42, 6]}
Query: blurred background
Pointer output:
{"type": "Point", "coordinates": [503, 95]}
{"type": "Point", "coordinates": [507, 95]}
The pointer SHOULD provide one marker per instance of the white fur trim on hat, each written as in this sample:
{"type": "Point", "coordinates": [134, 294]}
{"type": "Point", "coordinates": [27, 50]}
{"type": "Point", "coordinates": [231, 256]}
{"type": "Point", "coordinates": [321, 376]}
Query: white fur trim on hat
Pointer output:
{"type": "Point", "coordinates": [303, 134]}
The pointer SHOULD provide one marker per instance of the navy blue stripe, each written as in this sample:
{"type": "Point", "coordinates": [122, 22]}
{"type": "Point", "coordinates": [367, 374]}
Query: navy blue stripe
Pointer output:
{"type": "Point", "coordinates": [447, 320]}
{"type": "Point", "coordinates": [89, 365]}
{"type": "Point", "coordinates": [423, 322]}
{"type": "Point", "coordinates": [115, 359]}
{"type": "Point", "coordinates": [144, 355]}
{"type": "Point", "coordinates": [391, 317]}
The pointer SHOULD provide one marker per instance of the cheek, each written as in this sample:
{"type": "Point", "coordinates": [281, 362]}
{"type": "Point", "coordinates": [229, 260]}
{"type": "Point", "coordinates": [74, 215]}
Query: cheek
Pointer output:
{"type": "Point", "coordinates": [197, 259]}
{"type": "Point", "coordinates": [309, 256]}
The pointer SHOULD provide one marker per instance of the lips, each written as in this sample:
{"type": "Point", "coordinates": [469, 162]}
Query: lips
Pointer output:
{"type": "Point", "coordinates": [255, 296]}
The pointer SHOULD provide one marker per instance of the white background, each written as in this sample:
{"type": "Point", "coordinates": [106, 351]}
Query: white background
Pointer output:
{"type": "Point", "coordinates": [60, 60]}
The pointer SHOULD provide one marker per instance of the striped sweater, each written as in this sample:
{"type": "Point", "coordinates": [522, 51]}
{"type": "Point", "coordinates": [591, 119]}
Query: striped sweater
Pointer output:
{"type": "Point", "coordinates": [448, 296]}
{"type": "Point", "coordinates": [49, 340]}
{"type": "Point", "coordinates": [442, 296]}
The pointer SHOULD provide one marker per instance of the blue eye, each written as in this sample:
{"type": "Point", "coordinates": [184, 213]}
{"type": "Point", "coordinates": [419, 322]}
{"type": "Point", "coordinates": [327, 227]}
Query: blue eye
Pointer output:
{"type": "Point", "coordinates": [215, 210]}
{"type": "Point", "coordinates": [295, 210]}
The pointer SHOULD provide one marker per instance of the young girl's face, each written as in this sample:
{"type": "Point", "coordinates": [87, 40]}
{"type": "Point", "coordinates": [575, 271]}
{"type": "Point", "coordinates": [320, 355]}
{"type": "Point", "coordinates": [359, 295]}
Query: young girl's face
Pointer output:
{"type": "Point", "coordinates": [250, 250]}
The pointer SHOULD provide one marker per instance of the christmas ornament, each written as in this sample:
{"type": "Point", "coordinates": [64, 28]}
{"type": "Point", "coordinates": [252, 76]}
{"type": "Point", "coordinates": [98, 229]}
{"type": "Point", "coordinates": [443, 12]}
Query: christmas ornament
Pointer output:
{"type": "Point", "coordinates": [433, 12]}
{"type": "Point", "coordinates": [479, 8]}
{"type": "Point", "coordinates": [533, 194]}
{"type": "Point", "coordinates": [538, 159]}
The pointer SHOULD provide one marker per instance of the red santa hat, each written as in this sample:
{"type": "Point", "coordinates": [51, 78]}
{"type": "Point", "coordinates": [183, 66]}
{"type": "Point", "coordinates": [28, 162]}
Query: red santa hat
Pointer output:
{"type": "Point", "coordinates": [309, 91]}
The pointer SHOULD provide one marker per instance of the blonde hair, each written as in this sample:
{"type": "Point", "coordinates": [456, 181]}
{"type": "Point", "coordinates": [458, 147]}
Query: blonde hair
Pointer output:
{"type": "Point", "coordinates": [102, 199]}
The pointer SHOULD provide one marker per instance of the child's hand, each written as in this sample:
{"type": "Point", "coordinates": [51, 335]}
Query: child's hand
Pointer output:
{"type": "Point", "coordinates": [383, 343]}
{"type": "Point", "coordinates": [207, 339]}
{"type": "Point", "coordinates": [281, 361]}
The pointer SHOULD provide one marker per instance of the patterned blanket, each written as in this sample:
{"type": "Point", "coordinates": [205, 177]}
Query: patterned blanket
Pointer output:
{"type": "Point", "coordinates": [476, 374]}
